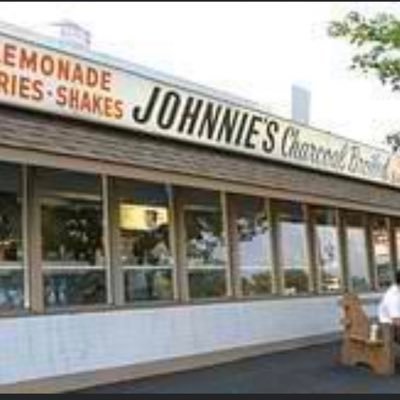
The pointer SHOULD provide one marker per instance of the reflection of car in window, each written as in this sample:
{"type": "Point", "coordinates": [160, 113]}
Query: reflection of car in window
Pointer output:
{"type": "Point", "coordinates": [331, 283]}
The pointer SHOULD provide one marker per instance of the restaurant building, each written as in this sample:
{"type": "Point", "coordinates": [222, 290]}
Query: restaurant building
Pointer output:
{"type": "Point", "coordinates": [149, 224]}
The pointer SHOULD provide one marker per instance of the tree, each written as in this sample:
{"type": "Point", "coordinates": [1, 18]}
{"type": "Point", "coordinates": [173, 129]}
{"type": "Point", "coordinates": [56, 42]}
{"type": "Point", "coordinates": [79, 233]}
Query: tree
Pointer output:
{"type": "Point", "coordinates": [377, 43]}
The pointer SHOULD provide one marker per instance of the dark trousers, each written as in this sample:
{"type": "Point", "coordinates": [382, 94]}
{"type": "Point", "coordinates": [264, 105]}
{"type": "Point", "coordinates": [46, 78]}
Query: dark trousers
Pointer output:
{"type": "Point", "coordinates": [396, 333]}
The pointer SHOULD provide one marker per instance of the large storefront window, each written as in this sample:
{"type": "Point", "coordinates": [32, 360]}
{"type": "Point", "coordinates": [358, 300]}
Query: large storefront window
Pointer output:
{"type": "Point", "coordinates": [357, 258]}
{"type": "Point", "coordinates": [327, 249]}
{"type": "Point", "coordinates": [293, 248]}
{"type": "Point", "coordinates": [253, 245]}
{"type": "Point", "coordinates": [11, 250]}
{"type": "Point", "coordinates": [205, 245]}
{"type": "Point", "coordinates": [144, 240]}
{"type": "Point", "coordinates": [381, 251]}
{"type": "Point", "coordinates": [72, 238]}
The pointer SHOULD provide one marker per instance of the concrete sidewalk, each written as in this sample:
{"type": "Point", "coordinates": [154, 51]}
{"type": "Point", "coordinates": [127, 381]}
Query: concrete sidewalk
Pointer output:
{"type": "Point", "coordinates": [307, 370]}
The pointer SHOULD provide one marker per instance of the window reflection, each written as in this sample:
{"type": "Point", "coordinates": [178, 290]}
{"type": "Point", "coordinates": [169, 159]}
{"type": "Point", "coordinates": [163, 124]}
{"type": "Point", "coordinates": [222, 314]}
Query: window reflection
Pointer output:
{"type": "Point", "coordinates": [292, 242]}
{"type": "Point", "coordinates": [357, 252]}
{"type": "Point", "coordinates": [253, 237]}
{"type": "Point", "coordinates": [11, 251]}
{"type": "Point", "coordinates": [327, 249]}
{"type": "Point", "coordinates": [74, 287]}
{"type": "Point", "coordinates": [205, 244]}
{"type": "Point", "coordinates": [10, 228]}
{"type": "Point", "coordinates": [204, 238]}
{"type": "Point", "coordinates": [144, 240]}
{"type": "Point", "coordinates": [381, 250]}
{"type": "Point", "coordinates": [72, 238]}
{"type": "Point", "coordinates": [72, 231]}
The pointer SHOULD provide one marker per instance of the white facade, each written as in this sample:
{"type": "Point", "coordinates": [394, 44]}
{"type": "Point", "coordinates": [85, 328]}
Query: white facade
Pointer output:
{"type": "Point", "coordinates": [50, 346]}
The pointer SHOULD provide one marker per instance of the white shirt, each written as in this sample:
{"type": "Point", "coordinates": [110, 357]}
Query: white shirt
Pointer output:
{"type": "Point", "coordinates": [389, 307]}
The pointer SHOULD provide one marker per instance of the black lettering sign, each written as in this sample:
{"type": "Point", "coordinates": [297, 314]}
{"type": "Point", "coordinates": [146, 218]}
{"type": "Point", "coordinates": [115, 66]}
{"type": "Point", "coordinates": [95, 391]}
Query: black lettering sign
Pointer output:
{"type": "Point", "coordinates": [240, 131]}
{"type": "Point", "coordinates": [285, 141]}
{"type": "Point", "coordinates": [190, 115]}
{"type": "Point", "coordinates": [228, 124]}
{"type": "Point", "coordinates": [147, 112]}
{"type": "Point", "coordinates": [168, 110]}
{"type": "Point", "coordinates": [210, 120]}
{"type": "Point", "coordinates": [252, 131]}
{"type": "Point", "coordinates": [272, 129]}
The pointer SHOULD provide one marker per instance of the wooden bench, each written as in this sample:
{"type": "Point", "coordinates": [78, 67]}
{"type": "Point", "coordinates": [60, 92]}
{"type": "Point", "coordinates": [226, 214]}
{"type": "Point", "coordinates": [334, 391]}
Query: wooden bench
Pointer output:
{"type": "Point", "coordinates": [357, 347]}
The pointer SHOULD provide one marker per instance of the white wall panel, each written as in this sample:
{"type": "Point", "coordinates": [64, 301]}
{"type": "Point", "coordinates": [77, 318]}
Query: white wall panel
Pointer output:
{"type": "Point", "coordinates": [54, 345]}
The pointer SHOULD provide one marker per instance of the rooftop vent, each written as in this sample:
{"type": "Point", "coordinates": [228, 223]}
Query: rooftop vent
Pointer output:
{"type": "Point", "coordinates": [68, 32]}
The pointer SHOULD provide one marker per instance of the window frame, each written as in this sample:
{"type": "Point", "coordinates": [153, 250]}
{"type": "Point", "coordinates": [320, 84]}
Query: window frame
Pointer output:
{"type": "Point", "coordinates": [318, 268]}
{"type": "Point", "coordinates": [45, 268]}
{"type": "Point", "coordinates": [306, 249]}
{"type": "Point", "coordinates": [367, 248]}
{"type": "Point", "coordinates": [222, 208]}
{"type": "Point", "coordinates": [119, 270]}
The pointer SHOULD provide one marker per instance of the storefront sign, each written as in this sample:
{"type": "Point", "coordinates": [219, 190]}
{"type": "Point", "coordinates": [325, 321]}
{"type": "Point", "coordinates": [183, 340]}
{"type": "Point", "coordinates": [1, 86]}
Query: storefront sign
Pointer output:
{"type": "Point", "coordinates": [36, 77]}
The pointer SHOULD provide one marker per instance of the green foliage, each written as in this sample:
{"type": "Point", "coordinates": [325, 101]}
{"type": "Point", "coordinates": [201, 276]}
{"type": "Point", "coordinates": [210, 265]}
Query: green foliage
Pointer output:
{"type": "Point", "coordinates": [377, 43]}
{"type": "Point", "coordinates": [297, 279]}
{"type": "Point", "coordinates": [207, 284]}
{"type": "Point", "coordinates": [257, 284]}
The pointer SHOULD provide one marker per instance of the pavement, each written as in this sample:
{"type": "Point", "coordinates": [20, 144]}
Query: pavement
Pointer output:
{"type": "Point", "coordinates": [307, 370]}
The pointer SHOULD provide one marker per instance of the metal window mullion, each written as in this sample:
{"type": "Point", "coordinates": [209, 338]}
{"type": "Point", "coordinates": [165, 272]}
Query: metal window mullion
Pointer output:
{"type": "Point", "coordinates": [107, 237]}
{"type": "Point", "coordinates": [392, 251]}
{"type": "Point", "coordinates": [342, 244]}
{"type": "Point", "coordinates": [370, 253]}
{"type": "Point", "coordinates": [174, 244]}
{"type": "Point", "coordinates": [226, 226]}
{"type": "Point", "coordinates": [310, 246]}
{"type": "Point", "coordinates": [180, 232]}
{"type": "Point", "coordinates": [34, 243]}
{"type": "Point", "coordinates": [234, 247]}
{"type": "Point", "coordinates": [276, 256]}
{"type": "Point", "coordinates": [270, 266]}
{"type": "Point", "coordinates": [116, 273]}
{"type": "Point", "coordinates": [72, 269]}
{"type": "Point", "coordinates": [146, 268]}
{"type": "Point", "coordinates": [25, 235]}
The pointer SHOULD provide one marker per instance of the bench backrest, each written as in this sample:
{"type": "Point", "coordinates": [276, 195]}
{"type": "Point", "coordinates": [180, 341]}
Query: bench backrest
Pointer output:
{"type": "Point", "coordinates": [356, 322]}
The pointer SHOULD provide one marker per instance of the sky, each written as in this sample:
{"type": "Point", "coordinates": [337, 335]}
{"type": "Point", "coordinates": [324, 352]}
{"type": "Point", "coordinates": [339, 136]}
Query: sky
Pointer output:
{"type": "Point", "coordinates": [252, 50]}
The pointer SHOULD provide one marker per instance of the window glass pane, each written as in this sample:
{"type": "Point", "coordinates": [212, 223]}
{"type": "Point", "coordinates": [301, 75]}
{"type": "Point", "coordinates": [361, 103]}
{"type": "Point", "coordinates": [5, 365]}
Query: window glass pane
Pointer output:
{"type": "Point", "coordinates": [74, 288]}
{"type": "Point", "coordinates": [72, 233]}
{"type": "Point", "coordinates": [11, 288]}
{"type": "Point", "coordinates": [205, 244]}
{"type": "Point", "coordinates": [253, 245]}
{"type": "Point", "coordinates": [11, 247]}
{"type": "Point", "coordinates": [72, 237]}
{"type": "Point", "coordinates": [381, 249]}
{"type": "Point", "coordinates": [357, 252]}
{"type": "Point", "coordinates": [292, 242]}
{"type": "Point", "coordinates": [207, 283]}
{"type": "Point", "coordinates": [327, 249]}
{"type": "Point", "coordinates": [144, 240]}
{"type": "Point", "coordinates": [10, 216]}
{"type": "Point", "coordinates": [145, 285]}
{"type": "Point", "coordinates": [68, 183]}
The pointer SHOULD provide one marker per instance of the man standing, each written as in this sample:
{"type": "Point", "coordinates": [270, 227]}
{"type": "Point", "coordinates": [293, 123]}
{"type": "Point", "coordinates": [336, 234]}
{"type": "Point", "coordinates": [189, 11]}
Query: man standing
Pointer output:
{"type": "Point", "coordinates": [389, 307]}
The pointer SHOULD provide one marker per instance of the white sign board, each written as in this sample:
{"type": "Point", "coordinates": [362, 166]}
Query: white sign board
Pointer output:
{"type": "Point", "coordinates": [34, 76]}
